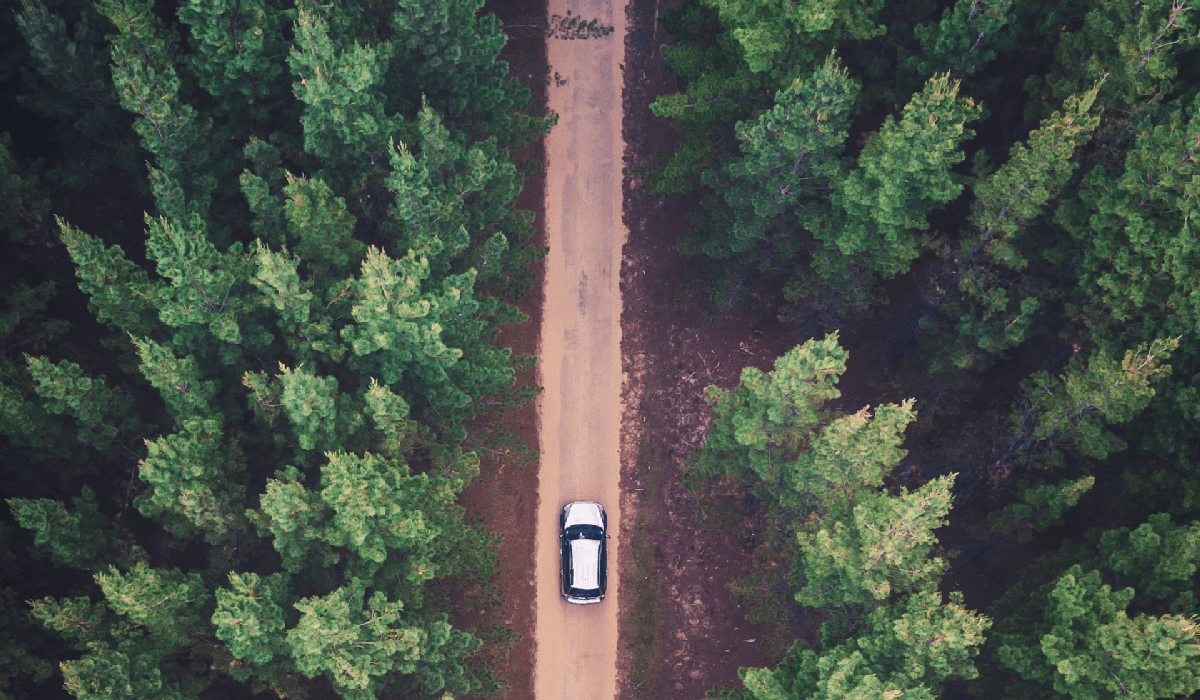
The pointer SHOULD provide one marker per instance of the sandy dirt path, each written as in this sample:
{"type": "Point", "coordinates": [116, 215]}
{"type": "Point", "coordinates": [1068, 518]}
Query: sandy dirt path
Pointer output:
{"type": "Point", "coordinates": [579, 413]}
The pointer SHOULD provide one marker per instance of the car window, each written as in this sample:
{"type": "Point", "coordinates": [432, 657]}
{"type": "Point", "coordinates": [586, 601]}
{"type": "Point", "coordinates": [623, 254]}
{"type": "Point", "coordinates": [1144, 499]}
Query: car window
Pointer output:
{"type": "Point", "coordinates": [591, 532]}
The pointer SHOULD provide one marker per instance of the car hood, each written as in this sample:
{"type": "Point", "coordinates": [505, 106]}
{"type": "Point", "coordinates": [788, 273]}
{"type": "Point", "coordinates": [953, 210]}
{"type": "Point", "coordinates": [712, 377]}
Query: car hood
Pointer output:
{"type": "Point", "coordinates": [584, 514]}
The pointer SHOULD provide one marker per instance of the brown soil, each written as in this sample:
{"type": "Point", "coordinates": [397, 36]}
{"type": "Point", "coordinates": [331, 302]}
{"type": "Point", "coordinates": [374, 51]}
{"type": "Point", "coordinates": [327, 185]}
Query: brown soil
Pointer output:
{"type": "Point", "coordinates": [673, 349]}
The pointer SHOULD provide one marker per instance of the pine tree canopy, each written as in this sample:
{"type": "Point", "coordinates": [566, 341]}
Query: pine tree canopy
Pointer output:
{"type": "Point", "coordinates": [258, 257]}
{"type": "Point", "coordinates": [252, 472]}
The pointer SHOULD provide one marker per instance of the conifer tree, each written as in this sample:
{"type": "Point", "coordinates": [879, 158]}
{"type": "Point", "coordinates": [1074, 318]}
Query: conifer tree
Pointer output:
{"type": "Point", "coordinates": [866, 559]}
{"type": "Point", "coordinates": [768, 33]}
{"type": "Point", "coordinates": [1111, 616]}
{"type": "Point", "coordinates": [734, 56]}
{"type": "Point", "coordinates": [1132, 51]}
{"type": "Point", "coordinates": [82, 538]}
{"type": "Point", "coordinates": [1040, 507]}
{"type": "Point", "coordinates": [1133, 227]}
{"type": "Point", "coordinates": [774, 434]}
{"type": "Point", "coordinates": [778, 186]}
{"type": "Point", "coordinates": [70, 84]}
{"type": "Point", "coordinates": [902, 174]}
{"type": "Point", "coordinates": [720, 90]}
{"type": "Point", "coordinates": [455, 50]}
{"type": "Point", "coordinates": [25, 669]}
{"type": "Point", "coordinates": [302, 350]}
{"type": "Point", "coordinates": [249, 618]}
{"type": "Point", "coordinates": [1072, 411]}
{"type": "Point", "coordinates": [104, 414]}
{"type": "Point", "coordinates": [234, 59]}
{"type": "Point", "coordinates": [906, 650]}
{"type": "Point", "coordinates": [1087, 646]}
{"type": "Point", "coordinates": [890, 633]}
{"type": "Point", "coordinates": [962, 42]}
{"type": "Point", "coordinates": [987, 314]}
{"type": "Point", "coordinates": [881, 205]}
{"type": "Point", "coordinates": [885, 548]}
{"type": "Point", "coordinates": [1159, 558]}
{"type": "Point", "coordinates": [148, 86]}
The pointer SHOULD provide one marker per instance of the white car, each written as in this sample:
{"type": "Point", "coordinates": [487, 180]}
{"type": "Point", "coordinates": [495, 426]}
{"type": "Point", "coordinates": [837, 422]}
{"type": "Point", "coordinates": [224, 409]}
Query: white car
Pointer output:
{"type": "Point", "coordinates": [582, 535]}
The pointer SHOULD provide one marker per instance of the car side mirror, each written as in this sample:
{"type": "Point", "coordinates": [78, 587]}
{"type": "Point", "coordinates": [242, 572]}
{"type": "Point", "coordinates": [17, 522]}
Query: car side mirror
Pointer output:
{"type": "Point", "coordinates": [608, 537]}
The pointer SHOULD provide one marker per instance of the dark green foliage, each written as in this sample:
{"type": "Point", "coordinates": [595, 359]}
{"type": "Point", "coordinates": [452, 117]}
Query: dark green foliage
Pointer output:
{"type": "Point", "coordinates": [119, 292]}
{"type": "Point", "coordinates": [1040, 507]}
{"type": "Point", "coordinates": [962, 42]}
{"type": "Point", "coordinates": [901, 175]}
{"type": "Point", "coordinates": [448, 52]}
{"type": "Point", "coordinates": [147, 84]}
{"type": "Point", "coordinates": [775, 436]}
{"type": "Point", "coordinates": [104, 414]}
{"type": "Point", "coordinates": [1135, 50]}
{"type": "Point", "coordinates": [69, 82]}
{"type": "Point", "coordinates": [289, 347]}
{"type": "Point", "coordinates": [1159, 558]}
{"type": "Point", "coordinates": [23, 324]}
{"type": "Point", "coordinates": [81, 539]}
{"type": "Point", "coordinates": [249, 619]}
{"type": "Point", "coordinates": [865, 558]}
{"type": "Point", "coordinates": [1071, 412]}
{"type": "Point", "coordinates": [1110, 70]}
{"type": "Point", "coordinates": [1136, 225]}
{"type": "Point", "coordinates": [990, 315]}
{"type": "Point", "coordinates": [884, 548]}
{"type": "Point", "coordinates": [248, 467]}
{"type": "Point", "coordinates": [789, 161]}
{"type": "Point", "coordinates": [901, 651]}
{"type": "Point", "coordinates": [881, 205]}
{"type": "Point", "coordinates": [344, 118]}
{"type": "Point", "coordinates": [23, 206]}
{"type": "Point", "coordinates": [1110, 617]}
{"type": "Point", "coordinates": [350, 642]}
{"type": "Point", "coordinates": [25, 670]}
{"type": "Point", "coordinates": [767, 32]}
{"type": "Point", "coordinates": [192, 485]}
{"type": "Point", "coordinates": [719, 91]}
{"type": "Point", "coordinates": [236, 48]}
{"type": "Point", "coordinates": [1073, 635]}
{"type": "Point", "coordinates": [1090, 648]}
{"type": "Point", "coordinates": [1042, 290]}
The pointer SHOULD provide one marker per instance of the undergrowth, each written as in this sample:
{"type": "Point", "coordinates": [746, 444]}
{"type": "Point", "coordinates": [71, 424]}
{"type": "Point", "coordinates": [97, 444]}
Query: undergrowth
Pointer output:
{"type": "Point", "coordinates": [639, 585]}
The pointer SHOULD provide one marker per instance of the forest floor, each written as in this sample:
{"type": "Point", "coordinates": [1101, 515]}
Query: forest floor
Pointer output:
{"type": "Point", "coordinates": [682, 630]}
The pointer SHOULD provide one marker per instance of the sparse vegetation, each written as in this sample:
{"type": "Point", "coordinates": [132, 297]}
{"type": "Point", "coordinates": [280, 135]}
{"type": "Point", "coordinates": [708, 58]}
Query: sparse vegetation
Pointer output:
{"type": "Point", "coordinates": [641, 627]}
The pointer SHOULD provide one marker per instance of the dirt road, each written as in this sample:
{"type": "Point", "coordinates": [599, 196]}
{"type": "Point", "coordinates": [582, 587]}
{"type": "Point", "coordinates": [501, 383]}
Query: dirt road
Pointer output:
{"type": "Point", "coordinates": [579, 413]}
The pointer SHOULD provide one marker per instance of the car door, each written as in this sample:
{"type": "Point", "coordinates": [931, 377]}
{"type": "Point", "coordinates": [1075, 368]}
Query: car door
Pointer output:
{"type": "Point", "coordinates": [564, 556]}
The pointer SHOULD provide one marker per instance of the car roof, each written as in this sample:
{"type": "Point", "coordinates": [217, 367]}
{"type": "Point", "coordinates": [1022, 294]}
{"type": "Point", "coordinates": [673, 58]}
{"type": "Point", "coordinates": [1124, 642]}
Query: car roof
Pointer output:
{"type": "Point", "coordinates": [583, 513]}
{"type": "Point", "coordinates": [585, 564]}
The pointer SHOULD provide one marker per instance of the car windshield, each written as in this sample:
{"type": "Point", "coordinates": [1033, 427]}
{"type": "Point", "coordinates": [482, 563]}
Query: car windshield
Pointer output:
{"type": "Point", "coordinates": [586, 532]}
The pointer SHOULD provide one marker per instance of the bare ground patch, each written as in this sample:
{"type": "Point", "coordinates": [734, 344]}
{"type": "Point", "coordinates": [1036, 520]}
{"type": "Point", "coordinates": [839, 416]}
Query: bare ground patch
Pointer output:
{"type": "Point", "coordinates": [672, 350]}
